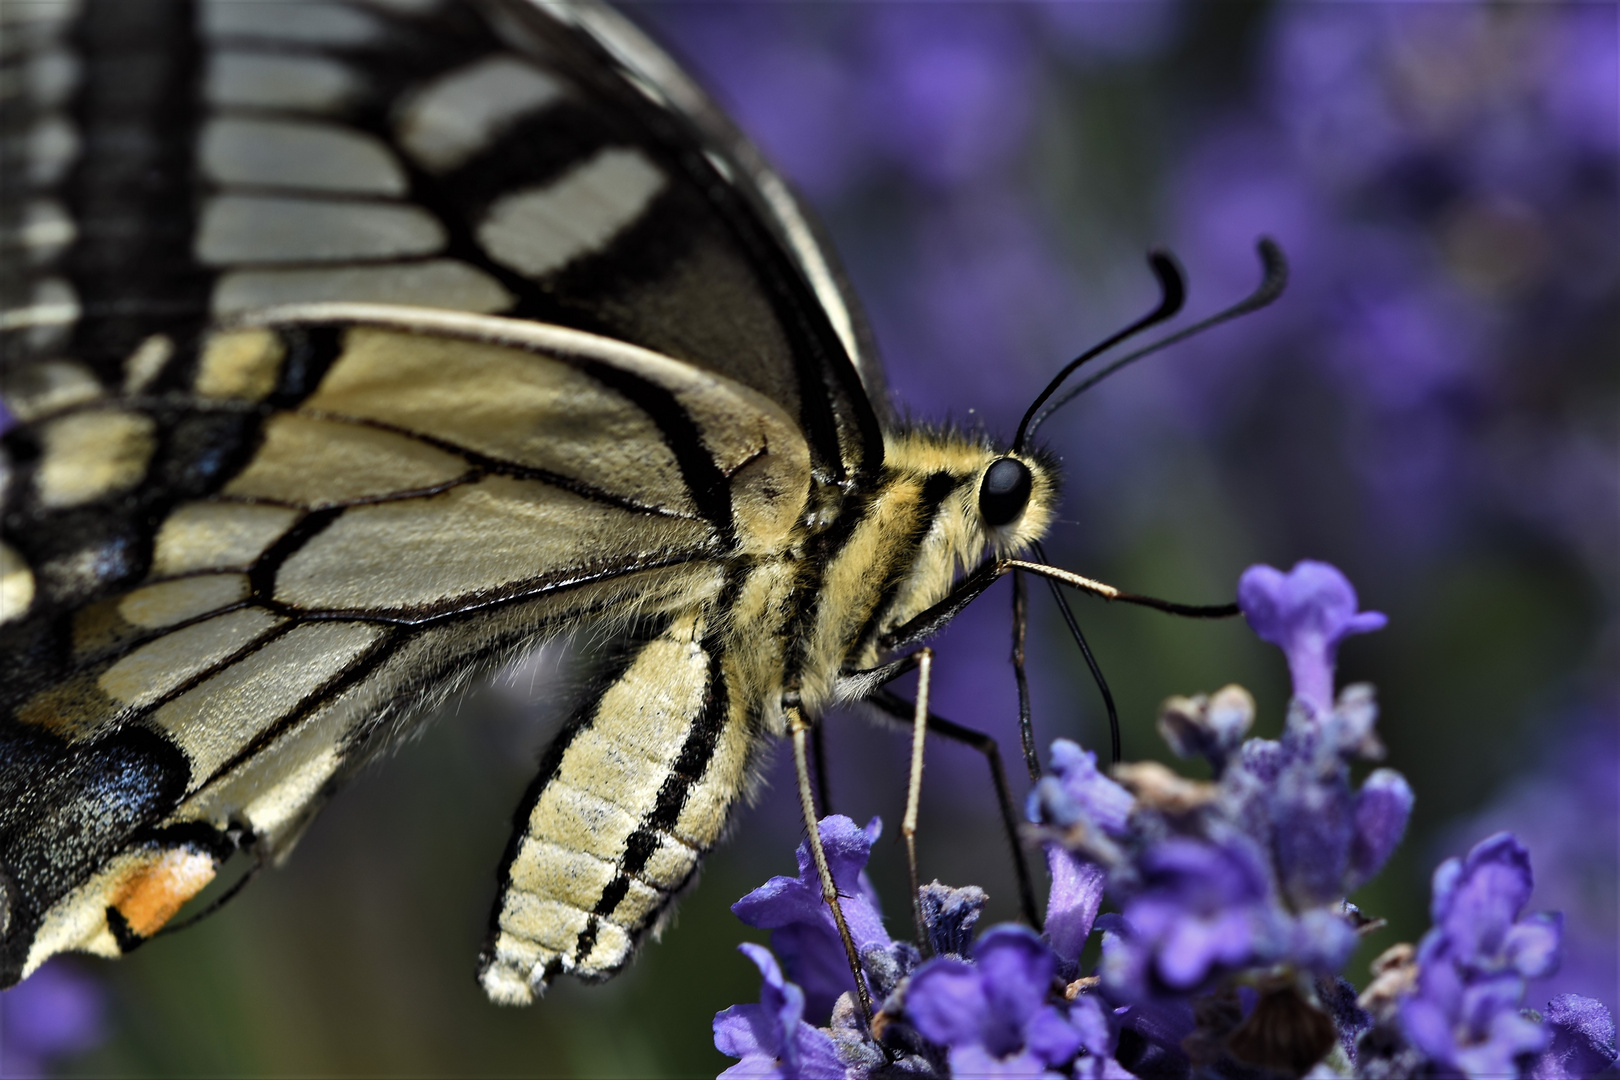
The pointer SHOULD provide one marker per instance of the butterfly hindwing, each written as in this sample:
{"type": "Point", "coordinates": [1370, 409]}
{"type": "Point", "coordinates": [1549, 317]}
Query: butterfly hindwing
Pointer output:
{"type": "Point", "coordinates": [328, 586]}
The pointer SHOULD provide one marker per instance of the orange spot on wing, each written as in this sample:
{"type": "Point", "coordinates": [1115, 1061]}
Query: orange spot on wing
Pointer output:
{"type": "Point", "coordinates": [152, 893]}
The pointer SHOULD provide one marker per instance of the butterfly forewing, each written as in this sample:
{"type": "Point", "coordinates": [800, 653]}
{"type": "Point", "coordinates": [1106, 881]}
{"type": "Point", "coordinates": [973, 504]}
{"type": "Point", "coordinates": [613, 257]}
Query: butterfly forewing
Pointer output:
{"type": "Point", "coordinates": [370, 549]}
{"type": "Point", "coordinates": [213, 158]}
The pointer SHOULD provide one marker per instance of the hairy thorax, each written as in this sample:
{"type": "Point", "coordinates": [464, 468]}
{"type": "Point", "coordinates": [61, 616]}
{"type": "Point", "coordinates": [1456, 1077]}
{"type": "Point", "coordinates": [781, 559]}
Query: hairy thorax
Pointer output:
{"type": "Point", "coordinates": [899, 551]}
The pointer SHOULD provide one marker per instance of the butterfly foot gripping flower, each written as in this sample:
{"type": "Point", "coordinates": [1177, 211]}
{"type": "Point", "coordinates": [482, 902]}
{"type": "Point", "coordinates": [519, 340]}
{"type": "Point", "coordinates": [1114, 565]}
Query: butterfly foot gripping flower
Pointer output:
{"type": "Point", "coordinates": [803, 933]}
{"type": "Point", "coordinates": [992, 1006]}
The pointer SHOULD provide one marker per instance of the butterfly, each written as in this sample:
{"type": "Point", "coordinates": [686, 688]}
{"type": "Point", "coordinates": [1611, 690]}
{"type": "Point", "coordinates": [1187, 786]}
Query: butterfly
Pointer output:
{"type": "Point", "coordinates": [353, 348]}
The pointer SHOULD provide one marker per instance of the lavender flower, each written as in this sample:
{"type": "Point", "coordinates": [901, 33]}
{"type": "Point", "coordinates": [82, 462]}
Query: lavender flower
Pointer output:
{"type": "Point", "coordinates": [1242, 879]}
{"type": "Point", "coordinates": [1454, 1004]}
{"type": "Point", "coordinates": [1083, 813]}
{"type": "Point", "coordinates": [803, 931]}
{"type": "Point", "coordinates": [1248, 873]}
{"type": "Point", "coordinates": [1566, 809]}
{"type": "Point", "coordinates": [56, 1013]}
{"type": "Point", "coordinates": [993, 1013]}
{"type": "Point", "coordinates": [1473, 964]}
{"type": "Point", "coordinates": [772, 1038]}
{"type": "Point", "coordinates": [1581, 1039]}
{"type": "Point", "coordinates": [1195, 912]}
{"type": "Point", "coordinates": [1306, 613]}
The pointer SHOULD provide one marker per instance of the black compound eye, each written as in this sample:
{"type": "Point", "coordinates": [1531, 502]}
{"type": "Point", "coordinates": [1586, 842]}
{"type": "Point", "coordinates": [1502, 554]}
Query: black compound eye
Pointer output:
{"type": "Point", "coordinates": [1004, 491]}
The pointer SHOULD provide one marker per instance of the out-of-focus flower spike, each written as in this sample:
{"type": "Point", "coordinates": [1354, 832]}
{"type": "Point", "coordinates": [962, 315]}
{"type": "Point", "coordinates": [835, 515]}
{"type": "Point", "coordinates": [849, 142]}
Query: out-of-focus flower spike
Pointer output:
{"type": "Point", "coordinates": [1478, 897]}
{"type": "Point", "coordinates": [1463, 1013]}
{"type": "Point", "coordinates": [1533, 946]}
{"type": "Point", "coordinates": [59, 1011]}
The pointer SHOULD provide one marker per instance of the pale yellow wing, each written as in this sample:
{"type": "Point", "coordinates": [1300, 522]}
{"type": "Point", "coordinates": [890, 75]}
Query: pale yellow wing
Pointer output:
{"type": "Point", "coordinates": [406, 496]}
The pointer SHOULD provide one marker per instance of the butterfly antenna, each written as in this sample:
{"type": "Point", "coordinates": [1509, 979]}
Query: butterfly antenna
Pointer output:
{"type": "Point", "coordinates": [1273, 280]}
{"type": "Point", "coordinates": [1091, 661]}
{"type": "Point", "coordinates": [1172, 295]}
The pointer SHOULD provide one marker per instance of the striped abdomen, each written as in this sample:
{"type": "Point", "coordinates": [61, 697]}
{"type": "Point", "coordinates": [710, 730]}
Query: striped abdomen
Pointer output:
{"type": "Point", "coordinates": [627, 803]}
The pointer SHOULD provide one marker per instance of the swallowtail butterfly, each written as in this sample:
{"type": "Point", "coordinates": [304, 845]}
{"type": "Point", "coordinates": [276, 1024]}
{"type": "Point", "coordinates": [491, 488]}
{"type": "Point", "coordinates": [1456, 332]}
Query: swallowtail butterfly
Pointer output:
{"type": "Point", "coordinates": [353, 347]}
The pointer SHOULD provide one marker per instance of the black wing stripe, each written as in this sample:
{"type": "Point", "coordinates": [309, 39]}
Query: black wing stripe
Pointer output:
{"type": "Point", "coordinates": [358, 669]}
{"type": "Point", "coordinates": [826, 376]}
{"type": "Point", "coordinates": [705, 483]}
{"type": "Point", "coordinates": [137, 115]}
{"type": "Point", "coordinates": [513, 593]}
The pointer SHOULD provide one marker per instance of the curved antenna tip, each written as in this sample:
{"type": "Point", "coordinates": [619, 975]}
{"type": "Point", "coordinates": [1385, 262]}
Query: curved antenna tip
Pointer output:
{"type": "Point", "coordinates": [1172, 279]}
{"type": "Point", "coordinates": [1275, 278]}
{"type": "Point", "coordinates": [1172, 295]}
{"type": "Point", "coordinates": [1273, 281]}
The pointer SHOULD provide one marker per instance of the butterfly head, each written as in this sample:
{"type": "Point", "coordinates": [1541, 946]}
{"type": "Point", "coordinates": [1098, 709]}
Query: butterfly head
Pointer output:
{"type": "Point", "coordinates": [1015, 499]}
{"type": "Point", "coordinates": [995, 501]}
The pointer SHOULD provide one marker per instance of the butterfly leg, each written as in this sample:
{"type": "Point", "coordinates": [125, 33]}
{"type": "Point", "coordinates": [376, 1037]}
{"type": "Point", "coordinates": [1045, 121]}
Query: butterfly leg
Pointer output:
{"type": "Point", "coordinates": [799, 729]}
{"type": "Point", "coordinates": [897, 707]}
{"type": "Point", "coordinates": [1026, 724]}
{"type": "Point", "coordinates": [908, 824]}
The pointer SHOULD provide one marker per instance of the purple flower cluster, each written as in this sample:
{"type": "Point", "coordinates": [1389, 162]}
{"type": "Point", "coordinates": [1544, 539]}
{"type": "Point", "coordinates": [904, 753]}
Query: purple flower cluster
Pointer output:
{"type": "Point", "coordinates": [1431, 169]}
{"type": "Point", "coordinates": [1566, 808]}
{"type": "Point", "coordinates": [1440, 175]}
{"type": "Point", "coordinates": [1453, 1005]}
{"type": "Point", "coordinates": [1249, 873]}
{"type": "Point", "coordinates": [1223, 958]}
{"type": "Point", "coordinates": [994, 1006]}
{"type": "Point", "coordinates": [772, 1038]}
{"type": "Point", "coordinates": [1473, 964]}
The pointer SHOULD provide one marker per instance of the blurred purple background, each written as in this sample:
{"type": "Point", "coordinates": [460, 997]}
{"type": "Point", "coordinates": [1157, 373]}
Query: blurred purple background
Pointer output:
{"type": "Point", "coordinates": [56, 1014]}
